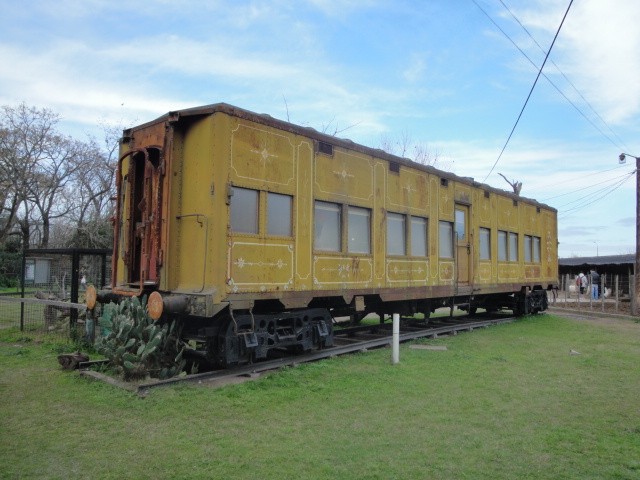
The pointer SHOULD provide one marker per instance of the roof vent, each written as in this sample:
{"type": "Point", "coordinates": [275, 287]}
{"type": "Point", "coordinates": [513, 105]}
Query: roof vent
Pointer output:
{"type": "Point", "coordinates": [326, 148]}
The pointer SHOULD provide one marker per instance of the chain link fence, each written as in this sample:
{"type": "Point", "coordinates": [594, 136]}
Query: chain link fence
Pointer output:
{"type": "Point", "coordinates": [48, 295]}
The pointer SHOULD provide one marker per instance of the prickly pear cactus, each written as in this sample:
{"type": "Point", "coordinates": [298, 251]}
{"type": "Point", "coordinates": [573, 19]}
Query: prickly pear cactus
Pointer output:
{"type": "Point", "coordinates": [136, 346]}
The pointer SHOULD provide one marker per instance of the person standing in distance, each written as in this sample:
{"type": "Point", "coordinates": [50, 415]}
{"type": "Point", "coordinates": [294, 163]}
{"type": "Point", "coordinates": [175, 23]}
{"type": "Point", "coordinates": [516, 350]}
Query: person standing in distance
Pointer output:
{"type": "Point", "coordinates": [595, 283]}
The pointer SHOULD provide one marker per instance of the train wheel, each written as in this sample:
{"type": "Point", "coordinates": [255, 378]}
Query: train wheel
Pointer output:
{"type": "Point", "coordinates": [233, 345]}
{"type": "Point", "coordinates": [522, 306]}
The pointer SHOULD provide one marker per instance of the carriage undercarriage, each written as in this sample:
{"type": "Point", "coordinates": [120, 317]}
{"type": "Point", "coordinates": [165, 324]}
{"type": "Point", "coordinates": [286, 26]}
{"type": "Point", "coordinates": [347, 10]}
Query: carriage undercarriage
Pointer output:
{"type": "Point", "coordinates": [241, 337]}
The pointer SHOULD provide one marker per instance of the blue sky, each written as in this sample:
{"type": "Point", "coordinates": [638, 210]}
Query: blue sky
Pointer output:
{"type": "Point", "coordinates": [438, 72]}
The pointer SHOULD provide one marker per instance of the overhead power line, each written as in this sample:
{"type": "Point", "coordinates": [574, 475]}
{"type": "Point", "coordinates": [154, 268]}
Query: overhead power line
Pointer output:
{"type": "Point", "coordinates": [581, 177]}
{"type": "Point", "coordinates": [587, 187]}
{"type": "Point", "coordinates": [621, 144]}
{"type": "Point", "coordinates": [604, 193]}
{"type": "Point", "coordinates": [530, 91]}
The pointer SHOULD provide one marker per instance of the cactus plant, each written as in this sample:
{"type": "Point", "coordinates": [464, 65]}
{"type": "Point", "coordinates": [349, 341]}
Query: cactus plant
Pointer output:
{"type": "Point", "coordinates": [136, 346]}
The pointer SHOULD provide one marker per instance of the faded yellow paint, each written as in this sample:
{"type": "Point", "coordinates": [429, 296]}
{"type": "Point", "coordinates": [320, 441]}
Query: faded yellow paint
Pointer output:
{"type": "Point", "coordinates": [407, 272]}
{"type": "Point", "coordinates": [189, 234]}
{"type": "Point", "coordinates": [344, 177]}
{"type": "Point", "coordinates": [508, 271]}
{"type": "Point", "coordinates": [338, 272]}
{"type": "Point", "coordinates": [531, 271]}
{"type": "Point", "coordinates": [304, 217]}
{"type": "Point", "coordinates": [447, 270]}
{"type": "Point", "coordinates": [445, 202]}
{"type": "Point", "coordinates": [258, 267]}
{"type": "Point", "coordinates": [483, 209]}
{"type": "Point", "coordinates": [261, 157]}
{"type": "Point", "coordinates": [484, 272]}
{"type": "Point", "coordinates": [379, 225]}
{"type": "Point", "coordinates": [408, 191]}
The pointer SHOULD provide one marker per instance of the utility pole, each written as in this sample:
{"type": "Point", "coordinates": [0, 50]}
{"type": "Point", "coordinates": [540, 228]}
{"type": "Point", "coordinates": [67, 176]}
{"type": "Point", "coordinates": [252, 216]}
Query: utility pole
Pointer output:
{"type": "Point", "coordinates": [636, 270]}
{"type": "Point", "coordinates": [635, 304]}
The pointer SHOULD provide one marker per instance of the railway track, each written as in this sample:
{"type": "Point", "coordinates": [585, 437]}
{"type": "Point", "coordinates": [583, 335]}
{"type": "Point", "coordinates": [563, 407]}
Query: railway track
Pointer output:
{"type": "Point", "coordinates": [348, 339]}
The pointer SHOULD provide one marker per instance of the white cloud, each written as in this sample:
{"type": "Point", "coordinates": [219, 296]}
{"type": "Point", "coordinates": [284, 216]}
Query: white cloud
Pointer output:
{"type": "Point", "coordinates": [597, 49]}
{"type": "Point", "coordinates": [341, 8]}
{"type": "Point", "coordinates": [416, 69]}
{"type": "Point", "coordinates": [66, 79]}
{"type": "Point", "coordinates": [83, 82]}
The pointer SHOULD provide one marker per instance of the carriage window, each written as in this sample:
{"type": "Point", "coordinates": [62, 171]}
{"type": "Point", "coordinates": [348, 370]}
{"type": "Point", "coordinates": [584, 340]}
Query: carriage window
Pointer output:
{"type": "Point", "coordinates": [531, 249]}
{"type": "Point", "coordinates": [460, 225]}
{"type": "Point", "coordinates": [327, 234]}
{"type": "Point", "coordinates": [502, 246]}
{"type": "Point", "coordinates": [278, 214]}
{"type": "Point", "coordinates": [445, 236]}
{"type": "Point", "coordinates": [513, 247]}
{"type": "Point", "coordinates": [419, 236]}
{"type": "Point", "coordinates": [244, 210]}
{"type": "Point", "coordinates": [359, 230]}
{"type": "Point", "coordinates": [396, 234]}
{"type": "Point", "coordinates": [536, 249]}
{"type": "Point", "coordinates": [485, 244]}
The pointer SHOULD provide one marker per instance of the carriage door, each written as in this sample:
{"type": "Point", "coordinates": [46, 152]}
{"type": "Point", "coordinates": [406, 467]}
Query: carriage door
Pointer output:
{"type": "Point", "coordinates": [463, 243]}
{"type": "Point", "coordinates": [144, 215]}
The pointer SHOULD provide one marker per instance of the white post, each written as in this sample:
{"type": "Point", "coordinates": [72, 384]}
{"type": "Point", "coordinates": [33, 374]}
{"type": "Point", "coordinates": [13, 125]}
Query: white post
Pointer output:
{"type": "Point", "coordinates": [395, 344]}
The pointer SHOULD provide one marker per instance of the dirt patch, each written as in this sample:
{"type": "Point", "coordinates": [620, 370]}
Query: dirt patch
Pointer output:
{"type": "Point", "coordinates": [632, 324]}
{"type": "Point", "coordinates": [221, 382]}
{"type": "Point", "coordinates": [143, 387]}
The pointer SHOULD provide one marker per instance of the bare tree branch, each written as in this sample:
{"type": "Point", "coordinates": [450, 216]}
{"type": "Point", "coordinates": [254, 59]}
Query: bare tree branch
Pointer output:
{"type": "Point", "coordinates": [404, 146]}
{"type": "Point", "coordinates": [515, 185]}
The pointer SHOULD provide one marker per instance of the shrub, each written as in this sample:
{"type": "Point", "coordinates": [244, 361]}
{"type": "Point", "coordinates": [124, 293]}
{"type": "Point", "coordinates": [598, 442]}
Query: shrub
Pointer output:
{"type": "Point", "coordinates": [10, 268]}
{"type": "Point", "coordinates": [135, 345]}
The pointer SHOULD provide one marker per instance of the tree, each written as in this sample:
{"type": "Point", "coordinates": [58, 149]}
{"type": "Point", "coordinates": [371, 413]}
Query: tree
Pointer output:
{"type": "Point", "coordinates": [23, 137]}
{"type": "Point", "coordinates": [35, 165]}
{"type": "Point", "coordinates": [404, 146]}
{"type": "Point", "coordinates": [49, 179]}
{"type": "Point", "coordinates": [94, 191]}
{"type": "Point", "coordinates": [52, 182]}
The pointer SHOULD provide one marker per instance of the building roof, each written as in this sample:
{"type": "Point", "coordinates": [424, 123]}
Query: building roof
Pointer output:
{"type": "Point", "coordinates": [600, 260]}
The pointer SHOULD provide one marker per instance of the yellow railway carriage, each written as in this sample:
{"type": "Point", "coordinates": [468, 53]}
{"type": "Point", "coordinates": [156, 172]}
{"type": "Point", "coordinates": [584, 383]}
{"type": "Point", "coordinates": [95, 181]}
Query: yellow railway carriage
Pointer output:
{"type": "Point", "coordinates": [256, 232]}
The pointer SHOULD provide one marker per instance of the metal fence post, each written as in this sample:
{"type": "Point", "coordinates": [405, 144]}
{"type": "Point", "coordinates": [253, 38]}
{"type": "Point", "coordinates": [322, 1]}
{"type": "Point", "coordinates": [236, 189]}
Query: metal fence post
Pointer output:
{"type": "Point", "coordinates": [632, 289]}
{"type": "Point", "coordinates": [395, 340]}
{"type": "Point", "coordinates": [103, 271]}
{"type": "Point", "coordinates": [23, 274]}
{"type": "Point", "coordinates": [75, 274]}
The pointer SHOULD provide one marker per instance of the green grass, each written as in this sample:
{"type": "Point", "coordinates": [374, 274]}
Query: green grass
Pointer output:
{"type": "Point", "coordinates": [10, 312]}
{"type": "Point", "coordinates": [17, 289]}
{"type": "Point", "coordinates": [504, 402]}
